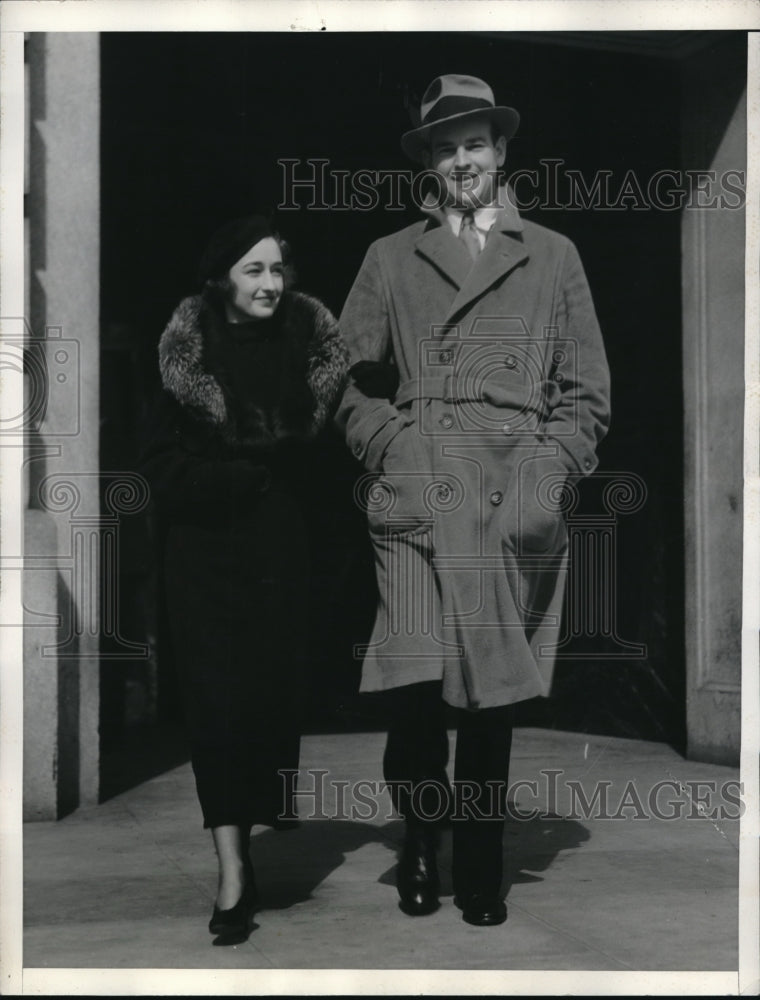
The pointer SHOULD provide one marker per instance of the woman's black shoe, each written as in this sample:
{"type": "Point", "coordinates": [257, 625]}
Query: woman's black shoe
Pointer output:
{"type": "Point", "coordinates": [417, 876]}
{"type": "Point", "coordinates": [234, 925]}
{"type": "Point", "coordinates": [482, 909]}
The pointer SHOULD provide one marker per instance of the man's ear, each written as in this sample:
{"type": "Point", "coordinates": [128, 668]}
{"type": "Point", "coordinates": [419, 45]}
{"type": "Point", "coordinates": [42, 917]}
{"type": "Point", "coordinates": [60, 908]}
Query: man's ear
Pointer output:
{"type": "Point", "coordinates": [501, 150]}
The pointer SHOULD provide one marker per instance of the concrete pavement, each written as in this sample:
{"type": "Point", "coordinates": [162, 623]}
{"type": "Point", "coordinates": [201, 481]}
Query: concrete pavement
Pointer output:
{"type": "Point", "coordinates": [130, 883]}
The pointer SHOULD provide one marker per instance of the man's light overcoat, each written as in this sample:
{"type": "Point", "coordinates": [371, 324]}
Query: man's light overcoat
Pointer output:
{"type": "Point", "coordinates": [504, 394]}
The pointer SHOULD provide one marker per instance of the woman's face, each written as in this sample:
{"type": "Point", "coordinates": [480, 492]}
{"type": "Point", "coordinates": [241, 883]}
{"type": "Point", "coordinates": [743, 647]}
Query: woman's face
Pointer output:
{"type": "Point", "coordinates": [256, 283]}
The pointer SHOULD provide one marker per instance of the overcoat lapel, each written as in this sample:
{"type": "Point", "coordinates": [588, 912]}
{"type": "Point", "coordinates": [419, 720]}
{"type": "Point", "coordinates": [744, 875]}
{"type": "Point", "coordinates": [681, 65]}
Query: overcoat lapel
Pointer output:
{"type": "Point", "coordinates": [448, 254]}
{"type": "Point", "coordinates": [501, 254]}
{"type": "Point", "coordinates": [503, 251]}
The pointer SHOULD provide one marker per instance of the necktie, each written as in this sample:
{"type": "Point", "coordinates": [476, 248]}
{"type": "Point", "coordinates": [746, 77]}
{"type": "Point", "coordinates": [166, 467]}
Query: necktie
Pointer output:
{"type": "Point", "coordinates": [468, 235]}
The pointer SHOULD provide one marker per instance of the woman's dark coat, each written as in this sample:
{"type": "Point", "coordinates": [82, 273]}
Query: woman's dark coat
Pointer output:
{"type": "Point", "coordinates": [229, 480]}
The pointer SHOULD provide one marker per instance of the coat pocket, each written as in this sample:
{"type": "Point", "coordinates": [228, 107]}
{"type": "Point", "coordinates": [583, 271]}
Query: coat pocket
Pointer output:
{"type": "Point", "coordinates": [532, 520]}
{"type": "Point", "coordinates": [398, 497]}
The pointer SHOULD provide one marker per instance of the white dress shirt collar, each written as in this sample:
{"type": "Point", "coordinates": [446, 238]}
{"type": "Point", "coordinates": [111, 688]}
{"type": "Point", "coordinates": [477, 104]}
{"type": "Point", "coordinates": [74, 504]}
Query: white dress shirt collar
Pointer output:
{"type": "Point", "coordinates": [484, 220]}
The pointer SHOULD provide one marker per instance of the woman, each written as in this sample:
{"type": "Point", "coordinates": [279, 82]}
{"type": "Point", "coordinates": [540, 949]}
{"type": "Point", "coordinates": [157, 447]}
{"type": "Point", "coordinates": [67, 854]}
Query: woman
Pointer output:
{"type": "Point", "coordinates": [250, 373]}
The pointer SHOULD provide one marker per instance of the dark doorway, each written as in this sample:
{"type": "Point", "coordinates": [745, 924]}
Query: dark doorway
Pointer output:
{"type": "Point", "coordinates": [193, 127]}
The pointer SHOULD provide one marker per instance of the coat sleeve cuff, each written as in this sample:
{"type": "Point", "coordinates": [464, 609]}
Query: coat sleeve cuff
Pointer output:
{"type": "Point", "coordinates": [369, 426]}
{"type": "Point", "coordinates": [371, 450]}
{"type": "Point", "coordinates": [580, 461]}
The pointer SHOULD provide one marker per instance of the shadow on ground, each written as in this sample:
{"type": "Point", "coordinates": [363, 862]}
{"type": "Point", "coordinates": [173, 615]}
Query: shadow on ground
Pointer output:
{"type": "Point", "coordinates": [290, 864]}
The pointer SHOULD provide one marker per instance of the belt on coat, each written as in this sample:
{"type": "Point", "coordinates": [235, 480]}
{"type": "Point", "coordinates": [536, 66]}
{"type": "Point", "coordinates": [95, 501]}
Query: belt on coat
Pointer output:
{"type": "Point", "coordinates": [451, 390]}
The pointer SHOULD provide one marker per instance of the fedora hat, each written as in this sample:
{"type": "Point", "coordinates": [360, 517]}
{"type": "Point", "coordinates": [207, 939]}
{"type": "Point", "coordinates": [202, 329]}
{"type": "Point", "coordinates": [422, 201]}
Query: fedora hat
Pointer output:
{"type": "Point", "coordinates": [453, 97]}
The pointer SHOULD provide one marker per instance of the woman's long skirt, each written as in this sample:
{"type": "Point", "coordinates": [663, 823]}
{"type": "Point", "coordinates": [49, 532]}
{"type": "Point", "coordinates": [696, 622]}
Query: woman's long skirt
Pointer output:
{"type": "Point", "coordinates": [238, 606]}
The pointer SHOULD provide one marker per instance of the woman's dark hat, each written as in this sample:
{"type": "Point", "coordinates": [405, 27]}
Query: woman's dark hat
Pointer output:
{"type": "Point", "coordinates": [451, 98]}
{"type": "Point", "coordinates": [230, 243]}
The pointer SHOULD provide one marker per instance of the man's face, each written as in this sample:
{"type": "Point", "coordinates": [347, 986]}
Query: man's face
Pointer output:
{"type": "Point", "coordinates": [466, 156]}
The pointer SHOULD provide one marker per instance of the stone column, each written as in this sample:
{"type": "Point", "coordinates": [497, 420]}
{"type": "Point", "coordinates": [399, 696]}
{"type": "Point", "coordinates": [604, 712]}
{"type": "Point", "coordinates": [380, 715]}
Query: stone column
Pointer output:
{"type": "Point", "coordinates": [714, 139]}
{"type": "Point", "coordinates": [61, 709]}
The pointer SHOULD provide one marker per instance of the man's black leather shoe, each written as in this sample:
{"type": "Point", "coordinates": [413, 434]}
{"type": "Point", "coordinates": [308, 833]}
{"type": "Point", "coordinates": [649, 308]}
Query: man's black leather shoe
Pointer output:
{"type": "Point", "coordinates": [417, 875]}
{"type": "Point", "coordinates": [482, 909]}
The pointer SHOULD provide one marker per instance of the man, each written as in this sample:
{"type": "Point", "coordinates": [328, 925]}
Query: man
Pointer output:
{"type": "Point", "coordinates": [488, 324]}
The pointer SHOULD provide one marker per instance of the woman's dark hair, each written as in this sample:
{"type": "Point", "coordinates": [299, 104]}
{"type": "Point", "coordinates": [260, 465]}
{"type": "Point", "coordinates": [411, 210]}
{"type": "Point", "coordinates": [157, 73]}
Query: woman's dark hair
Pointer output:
{"type": "Point", "coordinates": [223, 285]}
{"type": "Point", "coordinates": [232, 241]}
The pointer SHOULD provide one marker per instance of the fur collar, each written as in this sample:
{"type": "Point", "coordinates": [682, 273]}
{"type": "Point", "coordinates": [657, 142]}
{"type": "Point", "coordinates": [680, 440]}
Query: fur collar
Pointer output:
{"type": "Point", "coordinates": [315, 362]}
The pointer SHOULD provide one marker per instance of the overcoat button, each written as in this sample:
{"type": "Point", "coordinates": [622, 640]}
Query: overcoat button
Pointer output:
{"type": "Point", "coordinates": [447, 421]}
{"type": "Point", "coordinates": [507, 428]}
{"type": "Point", "coordinates": [510, 361]}
{"type": "Point", "coordinates": [445, 357]}
{"type": "Point", "coordinates": [496, 497]}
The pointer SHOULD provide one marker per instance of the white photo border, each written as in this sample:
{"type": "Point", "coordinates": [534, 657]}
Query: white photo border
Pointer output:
{"type": "Point", "coordinates": [20, 16]}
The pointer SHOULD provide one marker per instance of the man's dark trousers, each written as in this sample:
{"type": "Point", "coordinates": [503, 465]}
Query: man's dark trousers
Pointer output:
{"type": "Point", "coordinates": [414, 766]}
